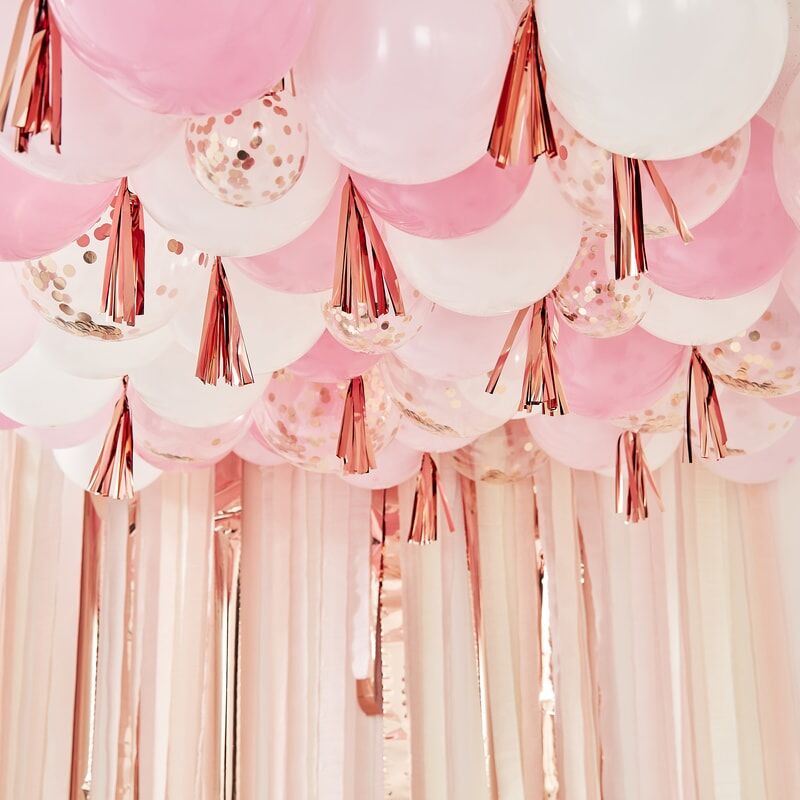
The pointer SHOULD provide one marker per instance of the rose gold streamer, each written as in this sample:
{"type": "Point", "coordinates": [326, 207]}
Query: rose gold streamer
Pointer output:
{"type": "Point", "coordinates": [112, 475]}
{"type": "Point", "coordinates": [710, 424]}
{"type": "Point", "coordinates": [632, 478]}
{"type": "Point", "coordinates": [123, 279]}
{"type": "Point", "coordinates": [354, 448]}
{"type": "Point", "coordinates": [38, 106]}
{"type": "Point", "coordinates": [666, 199]}
{"type": "Point", "coordinates": [523, 100]}
{"type": "Point", "coordinates": [541, 384]}
{"type": "Point", "coordinates": [222, 354]}
{"type": "Point", "coordinates": [365, 277]}
{"type": "Point", "coordinates": [425, 512]}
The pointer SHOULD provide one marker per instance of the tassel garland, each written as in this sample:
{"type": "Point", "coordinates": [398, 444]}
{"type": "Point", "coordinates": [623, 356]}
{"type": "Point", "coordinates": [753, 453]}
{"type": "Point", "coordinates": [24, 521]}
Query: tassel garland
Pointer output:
{"type": "Point", "coordinates": [710, 425]}
{"type": "Point", "coordinates": [112, 475]}
{"type": "Point", "coordinates": [424, 514]}
{"type": "Point", "coordinates": [632, 479]}
{"type": "Point", "coordinates": [355, 448]}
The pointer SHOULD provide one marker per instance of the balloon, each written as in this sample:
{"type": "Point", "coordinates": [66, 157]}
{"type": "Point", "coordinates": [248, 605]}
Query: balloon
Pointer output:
{"type": "Point", "coordinates": [791, 66]}
{"type": "Point", "coordinates": [417, 438]}
{"type": "Point", "coordinates": [789, 404]}
{"type": "Point", "coordinates": [19, 323]}
{"type": "Point", "coordinates": [576, 441]}
{"type": "Point", "coordinates": [591, 301]}
{"type": "Point", "coordinates": [464, 203]}
{"type": "Point", "coordinates": [786, 154]}
{"type": "Point", "coordinates": [36, 393]}
{"type": "Point", "coordinates": [278, 328]}
{"type": "Point", "coordinates": [686, 320]}
{"type": "Point", "coordinates": [790, 278]}
{"type": "Point", "coordinates": [66, 287]}
{"type": "Point", "coordinates": [169, 387]}
{"type": "Point", "coordinates": [406, 92]}
{"type": "Point", "coordinates": [170, 193]}
{"type": "Point", "coordinates": [664, 78]}
{"type": "Point", "coordinates": [39, 216]}
{"type": "Point", "coordinates": [397, 463]}
{"type": "Point", "coordinates": [453, 346]}
{"type": "Point", "coordinates": [328, 361]}
{"type": "Point", "coordinates": [8, 424]}
{"type": "Point", "coordinates": [503, 268]}
{"type": "Point", "coordinates": [301, 419]}
{"type": "Point", "coordinates": [763, 359]}
{"type": "Point", "coordinates": [663, 415]}
{"type": "Point", "coordinates": [253, 155]}
{"type": "Point", "coordinates": [188, 56]}
{"type": "Point", "coordinates": [72, 434]}
{"type": "Point", "coordinates": [103, 137]}
{"type": "Point", "coordinates": [609, 377]}
{"type": "Point", "coordinates": [750, 423]}
{"type": "Point", "coordinates": [747, 242]}
{"type": "Point", "coordinates": [254, 449]}
{"type": "Point", "coordinates": [658, 449]}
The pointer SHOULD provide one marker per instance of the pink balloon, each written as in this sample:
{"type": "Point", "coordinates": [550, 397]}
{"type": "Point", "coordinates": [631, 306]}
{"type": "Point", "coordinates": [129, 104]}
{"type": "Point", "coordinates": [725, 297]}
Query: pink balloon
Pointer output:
{"type": "Point", "coordinates": [57, 437]}
{"type": "Point", "coordinates": [329, 361]}
{"type": "Point", "coordinates": [255, 449]}
{"type": "Point", "coordinates": [751, 423]}
{"type": "Point", "coordinates": [747, 242]}
{"type": "Point", "coordinates": [426, 441]}
{"type": "Point", "coordinates": [464, 203]}
{"type": "Point", "coordinates": [611, 377]}
{"type": "Point", "coordinates": [187, 56]}
{"type": "Point", "coordinates": [19, 322]}
{"type": "Point", "coordinates": [790, 404]}
{"type": "Point", "coordinates": [39, 216]}
{"type": "Point", "coordinates": [579, 442]}
{"type": "Point", "coordinates": [8, 424]}
{"type": "Point", "coordinates": [396, 464]}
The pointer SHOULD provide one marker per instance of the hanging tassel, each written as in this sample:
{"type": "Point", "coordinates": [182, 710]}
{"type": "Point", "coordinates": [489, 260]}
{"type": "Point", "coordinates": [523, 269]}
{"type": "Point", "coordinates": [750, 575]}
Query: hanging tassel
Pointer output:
{"type": "Point", "coordinates": [710, 425]}
{"type": "Point", "coordinates": [630, 257]}
{"type": "Point", "coordinates": [354, 446]}
{"type": "Point", "coordinates": [112, 475]}
{"type": "Point", "coordinates": [222, 354]}
{"type": "Point", "coordinates": [38, 106]}
{"type": "Point", "coordinates": [123, 280]}
{"type": "Point", "coordinates": [632, 478]}
{"type": "Point", "coordinates": [522, 101]}
{"type": "Point", "coordinates": [424, 514]}
{"type": "Point", "coordinates": [365, 282]}
{"type": "Point", "coordinates": [541, 385]}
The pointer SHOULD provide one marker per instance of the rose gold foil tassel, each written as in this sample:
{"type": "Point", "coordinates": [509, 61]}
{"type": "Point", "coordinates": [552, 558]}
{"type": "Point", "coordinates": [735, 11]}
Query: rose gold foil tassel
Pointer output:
{"type": "Point", "coordinates": [522, 101]}
{"type": "Point", "coordinates": [38, 106]}
{"type": "Point", "coordinates": [222, 355]}
{"type": "Point", "coordinates": [365, 282]}
{"type": "Point", "coordinates": [354, 448]}
{"type": "Point", "coordinates": [123, 279]}
{"type": "Point", "coordinates": [112, 475]}
{"type": "Point", "coordinates": [541, 385]}
{"type": "Point", "coordinates": [425, 511]}
{"type": "Point", "coordinates": [632, 479]}
{"type": "Point", "coordinates": [710, 426]}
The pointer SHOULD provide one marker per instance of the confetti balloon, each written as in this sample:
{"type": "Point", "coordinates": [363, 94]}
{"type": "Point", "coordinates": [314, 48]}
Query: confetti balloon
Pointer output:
{"type": "Point", "coordinates": [252, 155]}
{"type": "Point", "coordinates": [396, 464]}
{"type": "Point", "coordinates": [751, 424]}
{"type": "Point", "coordinates": [666, 414]}
{"type": "Point", "coordinates": [254, 449]}
{"type": "Point", "coordinates": [426, 441]}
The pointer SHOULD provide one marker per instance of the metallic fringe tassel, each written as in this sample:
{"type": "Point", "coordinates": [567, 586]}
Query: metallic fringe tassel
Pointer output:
{"type": "Point", "coordinates": [355, 448]}
{"type": "Point", "coordinates": [112, 475]}
{"type": "Point", "coordinates": [365, 282]}
{"type": "Point", "coordinates": [710, 426]}
{"type": "Point", "coordinates": [522, 101]}
{"type": "Point", "coordinates": [425, 512]}
{"type": "Point", "coordinates": [38, 106]}
{"type": "Point", "coordinates": [541, 384]}
{"type": "Point", "coordinates": [123, 279]}
{"type": "Point", "coordinates": [632, 479]}
{"type": "Point", "coordinates": [222, 354]}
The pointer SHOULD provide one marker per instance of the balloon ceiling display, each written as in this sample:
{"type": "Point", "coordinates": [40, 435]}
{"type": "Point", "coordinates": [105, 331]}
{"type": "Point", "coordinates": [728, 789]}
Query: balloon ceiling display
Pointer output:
{"type": "Point", "coordinates": [347, 235]}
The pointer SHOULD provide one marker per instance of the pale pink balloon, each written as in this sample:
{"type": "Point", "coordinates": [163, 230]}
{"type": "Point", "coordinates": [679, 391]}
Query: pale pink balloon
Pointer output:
{"type": "Point", "coordinates": [187, 56]}
{"type": "Point", "coordinates": [19, 323]}
{"type": "Point", "coordinates": [608, 378]}
{"type": "Point", "coordinates": [397, 463]}
{"type": "Point", "coordinates": [73, 434]}
{"type": "Point", "coordinates": [789, 404]}
{"type": "Point", "coordinates": [329, 361]}
{"type": "Point", "coordinates": [464, 203]}
{"type": "Point", "coordinates": [747, 242]}
{"type": "Point", "coordinates": [750, 423]}
{"type": "Point", "coordinates": [579, 442]}
{"type": "Point", "coordinates": [39, 216]}
{"type": "Point", "coordinates": [255, 449]}
{"type": "Point", "coordinates": [8, 424]}
{"type": "Point", "coordinates": [426, 441]}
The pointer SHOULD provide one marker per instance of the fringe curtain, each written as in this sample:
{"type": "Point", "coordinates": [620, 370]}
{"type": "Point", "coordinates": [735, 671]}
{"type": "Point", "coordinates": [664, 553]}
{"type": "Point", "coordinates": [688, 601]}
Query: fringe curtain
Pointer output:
{"type": "Point", "coordinates": [676, 643]}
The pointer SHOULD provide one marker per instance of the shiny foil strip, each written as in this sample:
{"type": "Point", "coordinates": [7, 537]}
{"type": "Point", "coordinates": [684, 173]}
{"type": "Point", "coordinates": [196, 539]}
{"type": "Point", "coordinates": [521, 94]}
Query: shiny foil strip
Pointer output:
{"type": "Point", "coordinates": [222, 355]}
{"type": "Point", "coordinates": [365, 281]}
{"type": "Point", "coordinates": [425, 512]}
{"type": "Point", "coordinates": [711, 433]}
{"type": "Point", "coordinates": [469, 500]}
{"type": "Point", "coordinates": [522, 129]}
{"type": "Point", "coordinates": [354, 447]}
{"type": "Point", "coordinates": [123, 278]}
{"type": "Point", "coordinates": [112, 475]}
{"type": "Point", "coordinates": [38, 106]}
{"type": "Point", "coordinates": [632, 479]}
{"type": "Point", "coordinates": [541, 385]}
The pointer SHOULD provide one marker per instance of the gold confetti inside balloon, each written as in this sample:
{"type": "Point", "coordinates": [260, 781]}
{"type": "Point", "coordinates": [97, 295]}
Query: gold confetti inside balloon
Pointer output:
{"type": "Point", "coordinates": [665, 415]}
{"type": "Point", "coordinates": [254, 154]}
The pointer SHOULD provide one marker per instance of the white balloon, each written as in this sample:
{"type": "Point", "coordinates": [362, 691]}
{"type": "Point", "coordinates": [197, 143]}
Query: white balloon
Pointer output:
{"type": "Point", "coordinates": [688, 321]}
{"type": "Point", "coordinates": [503, 268]}
{"type": "Point", "coordinates": [170, 192]}
{"type": "Point", "coordinates": [661, 79]}
{"type": "Point", "coordinates": [170, 388]}
{"type": "Point", "coordinates": [277, 327]}
{"type": "Point", "coordinates": [34, 392]}
{"type": "Point", "coordinates": [791, 67]}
